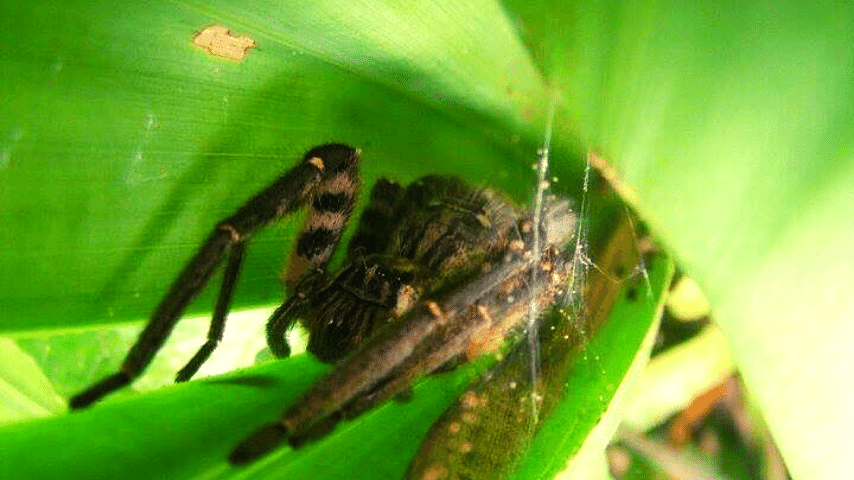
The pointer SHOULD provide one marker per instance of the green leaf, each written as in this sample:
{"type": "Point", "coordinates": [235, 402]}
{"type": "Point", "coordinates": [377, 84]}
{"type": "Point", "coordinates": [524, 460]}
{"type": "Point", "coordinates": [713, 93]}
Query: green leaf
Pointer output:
{"type": "Point", "coordinates": [728, 128]}
{"type": "Point", "coordinates": [731, 129]}
{"type": "Point", "coordinates": [187, 430]}
{"type": "Point", "coordinates": [190, 428]}
{"type": "Point", "coordinates": [24, 390]}
{"type": "Point", "coordinates": [124, 143]}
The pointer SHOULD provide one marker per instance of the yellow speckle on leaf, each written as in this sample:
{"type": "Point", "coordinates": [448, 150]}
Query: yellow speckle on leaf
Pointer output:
{"type": "Point", "coordinates": [219, 42]}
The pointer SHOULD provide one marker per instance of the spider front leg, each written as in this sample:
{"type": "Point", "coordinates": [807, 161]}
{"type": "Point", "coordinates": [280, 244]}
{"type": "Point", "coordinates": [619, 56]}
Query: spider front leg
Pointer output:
{"type": "Point", "coordinates": [321, 169]}
{"type": "Point", "coordinates": [223, 302]}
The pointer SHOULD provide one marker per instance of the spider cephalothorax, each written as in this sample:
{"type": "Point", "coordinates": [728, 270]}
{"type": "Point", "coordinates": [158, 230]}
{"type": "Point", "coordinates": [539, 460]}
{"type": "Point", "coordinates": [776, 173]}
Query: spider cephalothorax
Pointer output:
{"type": "Point", "coordinates": [436, 273]}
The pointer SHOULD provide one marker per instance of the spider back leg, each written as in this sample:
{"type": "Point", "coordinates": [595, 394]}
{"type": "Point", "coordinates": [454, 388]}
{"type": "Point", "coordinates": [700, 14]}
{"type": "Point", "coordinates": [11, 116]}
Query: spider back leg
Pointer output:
{"type": "Point", "coordinates": [288, 193]}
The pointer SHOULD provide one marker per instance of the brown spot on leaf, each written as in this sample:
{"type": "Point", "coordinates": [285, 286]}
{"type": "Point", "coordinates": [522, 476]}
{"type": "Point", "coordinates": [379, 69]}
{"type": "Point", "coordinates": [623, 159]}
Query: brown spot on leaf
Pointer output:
{"type": "Point", "coordinates": [219, 42]}
{"type": "Point", "coordinates": [435, 472]}
{"type": "Point", "coordinates": [469, 400]}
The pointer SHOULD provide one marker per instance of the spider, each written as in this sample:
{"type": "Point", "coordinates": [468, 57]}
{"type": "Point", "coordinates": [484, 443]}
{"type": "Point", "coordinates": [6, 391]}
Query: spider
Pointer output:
{"type": "Point", "coordinates": [436, 274]}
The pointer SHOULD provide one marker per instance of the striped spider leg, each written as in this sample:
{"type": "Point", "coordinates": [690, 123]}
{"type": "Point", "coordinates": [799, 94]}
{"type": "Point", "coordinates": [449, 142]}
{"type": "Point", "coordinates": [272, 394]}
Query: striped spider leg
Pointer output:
{"type": "Point", "coordinates": [327, 179]}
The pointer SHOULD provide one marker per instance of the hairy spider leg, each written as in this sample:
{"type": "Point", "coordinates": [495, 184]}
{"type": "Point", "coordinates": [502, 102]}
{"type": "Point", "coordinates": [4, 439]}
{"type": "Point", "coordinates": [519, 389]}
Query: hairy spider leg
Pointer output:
{"type": "Point", "coordinates": [223, 301]}
{"type": "Point", "coordinates": [371, 236]}
{"type": "Point", "coordinates": [468, 321]}
{"type": "Point", "coordinates": [380, 216]}
{"type": "Point", "coordinates": [319, 167]}
{"type": "Point", "coordinates": [480, 328]}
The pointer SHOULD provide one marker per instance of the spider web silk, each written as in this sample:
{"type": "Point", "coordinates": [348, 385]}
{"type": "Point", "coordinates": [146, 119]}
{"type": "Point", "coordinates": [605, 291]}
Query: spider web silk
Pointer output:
{"type": "Point", "coordinates": [573, 299]}
{"type": "Point", "coordinates": [534, 311]}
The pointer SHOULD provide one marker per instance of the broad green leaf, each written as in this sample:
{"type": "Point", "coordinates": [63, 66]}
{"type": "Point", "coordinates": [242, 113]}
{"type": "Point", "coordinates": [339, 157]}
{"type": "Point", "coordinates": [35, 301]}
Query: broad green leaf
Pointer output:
{"type": "Point", "coordinates": [24, 390]}
{"type": "Point", "coordinates": [123, 143]}
{"type": "Point", "coordinates": [728, 127]}
{"type": "Point", "coordinates": [187, 431]}
{"type": "Point", "coordinates": [731, 126]}
{"type": "Point", "coordinates": [190, 428]}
